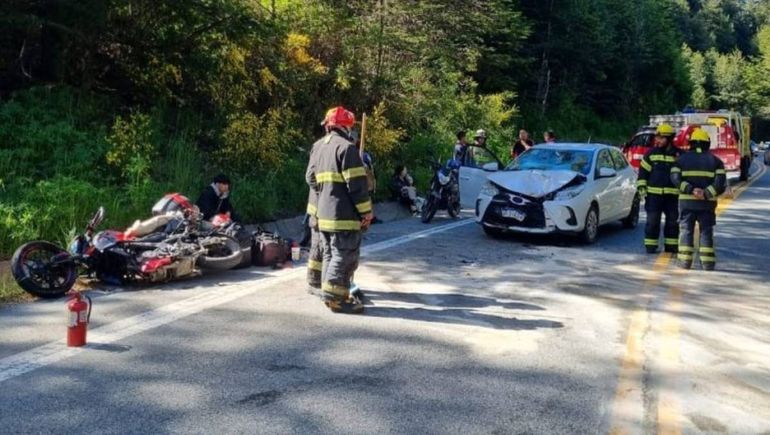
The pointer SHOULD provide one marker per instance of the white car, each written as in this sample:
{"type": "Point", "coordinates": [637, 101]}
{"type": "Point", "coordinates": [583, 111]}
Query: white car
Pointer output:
{"type": "Point", "coordinates": [560, 188]}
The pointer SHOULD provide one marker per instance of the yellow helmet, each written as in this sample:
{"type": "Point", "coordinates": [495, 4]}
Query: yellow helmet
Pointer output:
{"type": "Point", "coordinates": [664, 130]}
{"type": "Point", "coordinates": [699, 135]}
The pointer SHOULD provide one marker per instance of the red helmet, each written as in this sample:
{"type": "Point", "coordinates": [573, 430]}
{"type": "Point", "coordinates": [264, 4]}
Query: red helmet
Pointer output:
{"type": "Point", "coordinates": [340, 117]}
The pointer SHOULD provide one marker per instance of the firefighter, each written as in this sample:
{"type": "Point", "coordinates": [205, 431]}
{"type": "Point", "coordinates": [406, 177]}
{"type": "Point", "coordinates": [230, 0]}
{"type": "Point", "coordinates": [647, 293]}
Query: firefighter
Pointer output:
{"type": "Point", "coordinates": [654, 183]}
{"type": "Point", "coordinates": [701, 178]}
{"type": "Point", "coordinates": [315, 256]}
{"type": "Point", "coordinates": [343, 208]}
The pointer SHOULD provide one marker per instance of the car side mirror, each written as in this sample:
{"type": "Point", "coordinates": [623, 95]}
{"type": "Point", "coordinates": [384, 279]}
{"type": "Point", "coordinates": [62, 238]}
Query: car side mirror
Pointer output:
{"type": "Point", "coordinates": [491, 167]}
{"type": "Point", "coordinates": [607, 173]}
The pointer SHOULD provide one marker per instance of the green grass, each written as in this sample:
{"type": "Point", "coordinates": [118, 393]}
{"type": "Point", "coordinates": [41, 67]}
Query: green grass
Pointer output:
{"type": "Point", "coordinates": [9, 290]}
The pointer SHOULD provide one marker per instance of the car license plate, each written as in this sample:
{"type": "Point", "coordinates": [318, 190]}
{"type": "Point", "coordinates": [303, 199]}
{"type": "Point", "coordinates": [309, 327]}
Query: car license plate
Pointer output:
{"type": "Point", "coordinates": [512, 213]}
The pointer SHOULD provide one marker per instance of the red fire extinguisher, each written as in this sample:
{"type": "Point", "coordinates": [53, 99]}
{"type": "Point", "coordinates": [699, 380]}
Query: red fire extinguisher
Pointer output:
{"type": "Point", "coordinates": [79, 308]}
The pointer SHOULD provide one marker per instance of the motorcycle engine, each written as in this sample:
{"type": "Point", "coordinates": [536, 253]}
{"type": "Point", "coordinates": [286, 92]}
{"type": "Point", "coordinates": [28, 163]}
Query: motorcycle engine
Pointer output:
{"type": "Point", "coordinates": [176, 262]}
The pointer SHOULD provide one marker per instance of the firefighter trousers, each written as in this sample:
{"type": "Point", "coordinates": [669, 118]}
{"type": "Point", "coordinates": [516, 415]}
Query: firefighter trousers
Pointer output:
{"type": "Point", "coordinates": [706, 220]}
{"type": "Point", "coordinates": [341, 251]}
{"type": "Point", "coordinates": [656, 206]}
{"type": "Point", "coordinates": [315, 259]}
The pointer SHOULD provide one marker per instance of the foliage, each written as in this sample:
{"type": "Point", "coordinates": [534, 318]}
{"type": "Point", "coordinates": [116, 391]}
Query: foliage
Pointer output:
{"type": "Point", "coordinates": [132, 146]}
{"type": "Point", "coordinates": [107, 102]}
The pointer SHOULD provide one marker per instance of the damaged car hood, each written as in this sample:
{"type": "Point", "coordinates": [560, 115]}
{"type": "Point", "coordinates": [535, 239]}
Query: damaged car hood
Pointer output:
{"type": "Point", "coordinates": [534, 183]}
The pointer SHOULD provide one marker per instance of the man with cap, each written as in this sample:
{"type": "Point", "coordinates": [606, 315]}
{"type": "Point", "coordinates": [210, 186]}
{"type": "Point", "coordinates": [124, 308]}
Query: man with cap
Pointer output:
{"type": "Point", "coordinates": [654, 183]}
{"type": "Point", "coordinates": [215, 199]}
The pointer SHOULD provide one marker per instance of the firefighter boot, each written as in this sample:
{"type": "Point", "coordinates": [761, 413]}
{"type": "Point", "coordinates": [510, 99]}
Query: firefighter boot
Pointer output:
{"type": "Point", "coordinates": [706, 251]}
{"type": "Point", "coordinates": [350, 305]}
{"type": "Point", "coordinates": [653, 207]}
{"type": "Point", "coordinates": [686, 230]}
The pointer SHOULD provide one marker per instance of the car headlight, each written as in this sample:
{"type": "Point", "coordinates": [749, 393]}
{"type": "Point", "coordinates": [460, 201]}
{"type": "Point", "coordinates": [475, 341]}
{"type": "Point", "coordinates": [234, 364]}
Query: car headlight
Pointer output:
{"type": "Point", "coordinates": [489, 189]}
{"type": "Point", "coordinates": [567, 194]}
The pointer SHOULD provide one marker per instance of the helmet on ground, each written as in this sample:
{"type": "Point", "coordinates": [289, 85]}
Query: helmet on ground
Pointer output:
{"type": "Point", "coordinates": [480, 133]}
{"type": "Point", "coordinates": [170, 203]}
{"type": "Point", "coordinates": [339, 117]}
{"type": "Point", "coordinates": [664, 130]}
{"type": "Point", "coordinates": [700, 139]}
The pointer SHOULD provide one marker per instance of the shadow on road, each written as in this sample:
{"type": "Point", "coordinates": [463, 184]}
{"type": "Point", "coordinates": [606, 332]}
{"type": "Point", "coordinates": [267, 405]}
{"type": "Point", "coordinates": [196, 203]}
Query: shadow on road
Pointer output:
{"type": "Point", "coordinates": [454, 308]}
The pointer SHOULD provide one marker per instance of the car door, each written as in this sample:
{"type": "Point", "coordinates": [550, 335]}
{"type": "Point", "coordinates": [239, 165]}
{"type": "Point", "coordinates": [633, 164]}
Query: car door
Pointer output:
{"type": "Point", "coordinates": [474, 172]}
{"type": "Point", "coordinates": [607, 188]}
{"type": "Point", "coordinates": [627, 188]}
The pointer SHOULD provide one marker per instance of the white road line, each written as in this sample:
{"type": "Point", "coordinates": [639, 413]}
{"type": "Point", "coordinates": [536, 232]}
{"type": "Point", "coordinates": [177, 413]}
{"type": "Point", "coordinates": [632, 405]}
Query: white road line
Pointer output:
{"type": "Point", "coordinates": [53, 352]}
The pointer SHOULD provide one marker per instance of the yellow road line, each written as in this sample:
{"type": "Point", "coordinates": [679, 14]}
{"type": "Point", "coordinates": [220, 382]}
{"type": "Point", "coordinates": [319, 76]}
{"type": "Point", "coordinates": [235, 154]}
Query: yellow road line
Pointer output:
{"type": "Point", "coordinates": [630, 378]}
{"type": "Point", "coordinates": [668, 402]}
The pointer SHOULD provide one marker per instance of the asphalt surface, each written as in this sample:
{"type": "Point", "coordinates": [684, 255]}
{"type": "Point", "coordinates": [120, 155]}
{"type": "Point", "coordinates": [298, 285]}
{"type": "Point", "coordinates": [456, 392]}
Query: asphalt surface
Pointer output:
{"type": "Point", "coordinates": [462, 334]}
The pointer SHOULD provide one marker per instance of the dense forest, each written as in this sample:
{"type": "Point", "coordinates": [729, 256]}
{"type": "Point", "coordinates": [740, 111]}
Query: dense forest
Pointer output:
{"type": "Point", "coordinates": [114, 102]}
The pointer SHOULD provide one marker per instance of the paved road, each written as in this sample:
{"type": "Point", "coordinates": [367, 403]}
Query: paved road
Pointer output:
{"type": "Point", "coordinates": [463, 333]}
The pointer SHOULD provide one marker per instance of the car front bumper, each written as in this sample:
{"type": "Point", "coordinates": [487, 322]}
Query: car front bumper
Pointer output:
{"type": "Point", "coordinates": [541, 217]}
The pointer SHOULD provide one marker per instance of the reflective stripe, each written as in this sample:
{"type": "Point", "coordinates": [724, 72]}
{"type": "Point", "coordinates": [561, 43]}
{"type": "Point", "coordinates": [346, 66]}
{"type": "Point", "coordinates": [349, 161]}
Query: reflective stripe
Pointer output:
{"type": "Point", "coordinates": [698, 174]}
{"type": "Point", "coordinates": [336, 290]}
{"type": "Point", "coordinates": [312, 209]}
{"type": "Point", "coordinates": [684, 257]}
{"type": "Point", "coordinates": [712, 190]}
{"type": "Point", "coordinates": [314, 265]}
{"type": "Point", "coordinates": [655, 190]}
{"type": "Point", "coordinates": [641, 183]}
{"type": "Point", "coordinates": [329, 177]}
{"type": "Point", "coordinates": [662, 190]}
{"type": "Point", "coordinates": [645, 165]}
{"type": "Point", "coordinates": [671, 241]}
{"type": "Point", "coordinates": [705, 250]}
{"type": "Point", "coordinates": [692, 197]}
{"type": "Point", "coordinates": [651, 242]}
{"type": "Point", "coordinates": [364, 207]}
{"type": "Point", "coordinates": [333, 225]}
{"type": "Point", "coordinates": [683, 186]}
{"type": "Point", "coordinates": [676, 169]}
{"type": "Point", "coordinates": [707, 259]}
{"type": "Point", "coordinates": [662, 158]}
{"type": "Point", "coordinates": [720, 172]}
{"type": "Point", "coordinates": [685, 249]}
{"type": "Point", "coordinates": [354, 172]}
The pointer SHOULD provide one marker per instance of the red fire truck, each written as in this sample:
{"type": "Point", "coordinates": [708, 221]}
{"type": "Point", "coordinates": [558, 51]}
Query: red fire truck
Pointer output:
{"type": "Point", "coordinates": [729, 131]}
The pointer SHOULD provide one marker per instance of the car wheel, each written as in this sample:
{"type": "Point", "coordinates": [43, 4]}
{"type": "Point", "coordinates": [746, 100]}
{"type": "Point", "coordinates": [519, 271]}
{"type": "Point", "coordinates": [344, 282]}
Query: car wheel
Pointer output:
{"type": "Point", "coordinates": [494, 233]}
{"type": "Point", "coordinates": [591, 228]}
{"type": "Point", "coordinates": [632, 220]}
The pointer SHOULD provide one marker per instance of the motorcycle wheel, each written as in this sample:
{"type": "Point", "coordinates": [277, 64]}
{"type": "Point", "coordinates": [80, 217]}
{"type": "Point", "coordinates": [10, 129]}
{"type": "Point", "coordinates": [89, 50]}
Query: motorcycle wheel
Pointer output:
{"type": "Point", "coordinates": [429, 209]}
{"type": "Point", "coordinates": [224, 253]}
{"type": "Point", "coordinates": [454, 209]}
{"type": "Point", "coordinates": [32, 269]}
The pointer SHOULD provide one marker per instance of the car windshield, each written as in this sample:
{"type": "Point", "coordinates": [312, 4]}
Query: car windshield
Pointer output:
{"type": "Point", "coordinates": [553, 159]}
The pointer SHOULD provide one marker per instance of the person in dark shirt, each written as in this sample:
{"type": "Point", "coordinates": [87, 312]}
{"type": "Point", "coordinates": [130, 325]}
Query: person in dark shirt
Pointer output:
{"type": "Point", "coordinates": [461, 146]}
{"type": "Point", "coordinates": [215, 199]}
{"type": "Point", "coordinates": [549, 136]}
{"type": "Point", "coordinates": [402, 186]}
{"type": "Point", "coordinates": [524, 143]}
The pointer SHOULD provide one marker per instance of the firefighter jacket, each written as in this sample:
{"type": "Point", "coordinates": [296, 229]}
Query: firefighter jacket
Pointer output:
{"type": "Point", "coordinates": [655, 171]}
{"type": "Point", "coordinates": [337, 175]}
{"type": "Point", "coordinates": [699, 170]}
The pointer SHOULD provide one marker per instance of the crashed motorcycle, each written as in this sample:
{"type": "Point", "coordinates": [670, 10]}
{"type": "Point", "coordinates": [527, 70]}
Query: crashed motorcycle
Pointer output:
{"type": "Point", "coordinates": [114, 257]}
{"type": "Point", "coordinates": [444, 190]}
